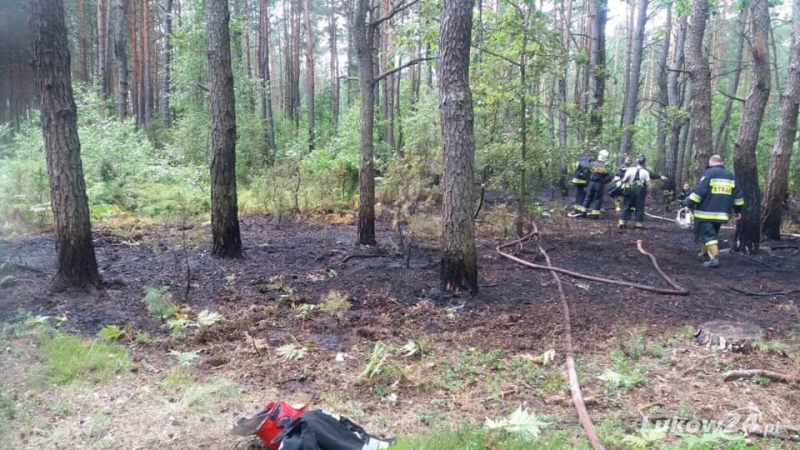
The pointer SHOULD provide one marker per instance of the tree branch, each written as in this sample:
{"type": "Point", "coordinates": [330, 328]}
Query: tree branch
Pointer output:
{"type": "Point", "coordinates": [515, 63]}
{"type": "Point", "coordinates": [399, 68]}
{"type": "Point", "coordinates": [730, 96]}
{"type": "Point", "coordinates": [392, 12]}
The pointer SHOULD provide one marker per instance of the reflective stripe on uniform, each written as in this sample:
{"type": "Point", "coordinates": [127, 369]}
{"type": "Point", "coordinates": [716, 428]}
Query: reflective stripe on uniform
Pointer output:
{"type": "Point", "coordinates": [711, 243]}
{"type": "Point", "coordinates": [695, 198]}
{"type": "Point", "coordinates": [579, 181]}
{"type": "Point", "coordinates": [711, 215]}
{"type": "Point", "coordinates": [738, 202]}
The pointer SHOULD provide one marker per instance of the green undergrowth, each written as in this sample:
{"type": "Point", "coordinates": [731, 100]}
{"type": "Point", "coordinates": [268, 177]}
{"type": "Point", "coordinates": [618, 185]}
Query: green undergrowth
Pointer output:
{"type": "Point", "coordinates": [65, 357]}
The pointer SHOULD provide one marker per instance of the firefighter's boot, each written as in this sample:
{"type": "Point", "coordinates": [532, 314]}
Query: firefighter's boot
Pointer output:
{"type": "Point", "coordinates": [703, 252]}
{"type": "Point", "coordinates": [713, 256]}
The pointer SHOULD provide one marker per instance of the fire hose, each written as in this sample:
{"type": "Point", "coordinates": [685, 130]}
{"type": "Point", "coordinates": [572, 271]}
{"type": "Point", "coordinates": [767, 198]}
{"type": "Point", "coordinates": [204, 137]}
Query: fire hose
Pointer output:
{"type": "Point", "coordinates": [676, 289]}
{"type": "Point", "coordinates": [575, 388]}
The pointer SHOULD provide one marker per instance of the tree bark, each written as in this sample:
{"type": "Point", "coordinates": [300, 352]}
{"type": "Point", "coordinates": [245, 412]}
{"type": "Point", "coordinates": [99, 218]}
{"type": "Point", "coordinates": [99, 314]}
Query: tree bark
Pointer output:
{"type": "Point", "coordinates": [634, 73]}
{"type": "Point", "coordinates": [726, 113]}
{"type": "Point", "coordinates": [135, 74]}
{"type": "Point", "coordinates": [121, 57]}
{"type": "Point", "coordinates": [363, 39]}
{"type": "Point", "coordinates": [268, 124]}
{"type": "Point", "coordinates": [675, 102]}
{"type": "Point", "coordinates": [77, 264]}
{"type": "Point", "coordinates": [224, 209]}
{"type": "Point", "coordinates": [663, 101]}
{"type": "Point", "coordinates": [597, 72]}
{"type": "Point", "coordinates": [166, 115]}
{"type": "Point", "coordinates": [309, 76]}
{"type": "Point", "coordinates": [334, 67]}
{"type": "Point", "coordinates": [748, 230]}
{"type": "Point", "coordinates": [700, 75]}
{"type": "Point", "coordinates": [459, 268]}
{"type": "Point", "coordinates": [148, 80]}
{"type": "Point", "coordinates": [102, 48]}
{"type": "Point", "coordinates": [778, 175]}
{"type": "Point", "coordinates": [523, 123]}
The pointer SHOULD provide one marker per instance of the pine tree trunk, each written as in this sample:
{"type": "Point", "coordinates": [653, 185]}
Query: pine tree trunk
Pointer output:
{"type": "Point", "coordinates": [597, 73]}
{"type": "Point", "coordinates": [166, 115]}
{"type": "Point", "coordinates": [675, 101]}
{"type": "Point", "coordinates": [102, 48]}
{"type": "Point", "coordinates": [748, 229]}
{"type": "Point", "coordinates": [135, 75]}
{"type": "Point", "coordinates": [334, 67]}
{"type": "Point", "coordinates": [121, 58]}
{"type": "Point", "coordinates": [268, 125]}
{"type": "Point", "coordinates": [700, 75]}
{"type": "Point", "coordinates": [634, 73]}
{"type": "Point", "coordinates": [309, 76]}
{"type": "Point", "coordinates": [363, 40]}
{"type": "Point", "coordinates": [224, 209]}
{"type": "Point", "coordinates": [459, 268]}
{"type": "Point", "coordinates": [778, 175]}
{"type": "Point", "coordinates": [663, 102]}
{"type": "Point", "coordinates": [148, 80]}
{"type": "Point", "coordinates": [77, 264]}
{"type": "Point", "coordinates": [726, 113]}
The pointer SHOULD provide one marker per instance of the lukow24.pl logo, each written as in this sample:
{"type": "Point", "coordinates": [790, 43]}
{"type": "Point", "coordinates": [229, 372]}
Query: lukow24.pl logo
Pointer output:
{"type": "Point", "coordinates": [744, 420]}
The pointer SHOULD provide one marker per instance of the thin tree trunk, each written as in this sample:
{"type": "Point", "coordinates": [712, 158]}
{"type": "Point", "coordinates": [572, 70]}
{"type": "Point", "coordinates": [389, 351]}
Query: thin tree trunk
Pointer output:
{"type": "Point", "coordinates": [77, 264]}
{"type": "Point", "coordinates": [102, 48]}
{"type": "Point", "coordinates": [135, 73]}
{"type": "Point", "coordinates": [632, 87]}
{"type": "Point", "coordinates": [778, 175]}
{"type": "Point", "coordinates": [166, 115]}
{"type": "Point", "coordinates": [224, 209]}
{"type": "Point", "coordinates": [148, 86]}
{"type": "Point", "coordinates": [748, 230]}
{"type": "Point", "coordinates": [523, 125]}
{"type": "Point", "coordinates": [459, 268]}
{"type": "Point", "coordinates": [697, 63]}
{"type": "Point", "coordinates": [334, 67]}
{"type": "Point", "coordinates": [674, 94]}
{"type": "Point", "coordinates": [268, 124]}
{"type": "Point", "coordinates": [663, 101]}
{"type": "Point", "coordinates": [726, 113]}
{"type": "Point", "coordinates": [122, 60]}
{"type": "Point", "coordinates": [597, 61]}
{"type": "Point", "coordinates": [309, 76]}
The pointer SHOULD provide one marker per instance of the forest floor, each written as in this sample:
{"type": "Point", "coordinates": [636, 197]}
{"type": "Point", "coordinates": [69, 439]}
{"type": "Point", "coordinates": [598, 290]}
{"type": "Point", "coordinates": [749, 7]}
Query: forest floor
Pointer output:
{"type": "Point", "coordinates": [376, 340]}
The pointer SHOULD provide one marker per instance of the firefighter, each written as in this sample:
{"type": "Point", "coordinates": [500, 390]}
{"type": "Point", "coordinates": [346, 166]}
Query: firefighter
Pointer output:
{"type": "Point", "coordinates": [634, 184]}
{"type": "Point", "coordinates": [580, 178]}
{"type": "Point", "coordinates": [712, 200]}
{"type": "Point", "coordinates": [599, 176]}
{"type": "Point", "coordinates": [616, 191]}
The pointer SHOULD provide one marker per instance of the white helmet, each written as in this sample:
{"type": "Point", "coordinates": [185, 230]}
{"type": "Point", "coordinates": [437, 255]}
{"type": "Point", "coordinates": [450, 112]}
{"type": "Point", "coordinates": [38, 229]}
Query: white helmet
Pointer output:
{"type": "Point", "coordinates": [602, 155]}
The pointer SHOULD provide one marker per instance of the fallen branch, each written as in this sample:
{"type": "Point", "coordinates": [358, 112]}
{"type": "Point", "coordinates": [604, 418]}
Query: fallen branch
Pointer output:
{"type": "Point", "coordinates": [763, 294]}
{"type": "Point", "coordinates": [769, 374]}
{"type": "Point", "coordinates": [359, 255]}
{"type": "Point", "coordinates": [22, 266]}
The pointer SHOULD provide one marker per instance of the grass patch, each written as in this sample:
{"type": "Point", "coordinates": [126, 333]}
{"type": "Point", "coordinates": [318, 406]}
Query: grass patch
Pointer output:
{"type": "Point", "coordinates": [69, 358]}
{"type": "Point", "coordinates": [473, 437]}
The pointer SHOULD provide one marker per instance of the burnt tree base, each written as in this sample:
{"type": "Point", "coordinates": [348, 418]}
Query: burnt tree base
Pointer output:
{"type": "Point", "coordinates": [727, 335]}
{"type": "Point", "coordinates": [456, 276]}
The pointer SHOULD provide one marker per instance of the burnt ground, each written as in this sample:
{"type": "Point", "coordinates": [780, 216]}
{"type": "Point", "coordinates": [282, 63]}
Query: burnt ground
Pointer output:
{"type": "Point", "coordinates": [289, 264]}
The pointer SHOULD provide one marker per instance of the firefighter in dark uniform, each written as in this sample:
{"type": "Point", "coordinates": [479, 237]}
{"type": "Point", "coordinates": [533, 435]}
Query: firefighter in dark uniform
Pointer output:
{"type": "Point", "coordinates": [616, 191]}
{"type": "Point", "coordinates": [580, 178]}
{"type": "Point", "coordinates": [599, 176]}
{"type": "Point", "coordinates": [634, 184]}
{"type": "Point", "coordinates": [712, 200]}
